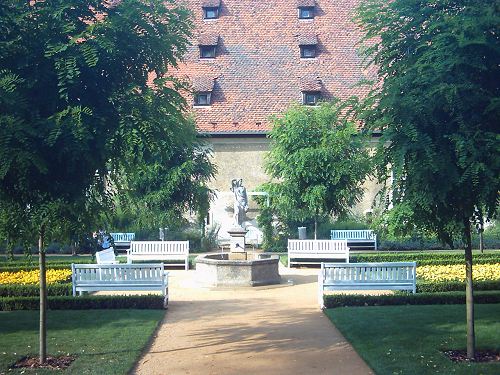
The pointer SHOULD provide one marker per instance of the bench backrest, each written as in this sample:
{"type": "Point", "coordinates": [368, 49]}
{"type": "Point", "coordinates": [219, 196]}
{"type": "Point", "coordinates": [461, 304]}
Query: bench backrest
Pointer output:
{"type": "Point", "coordinates": [357, 273]}
{"type": "Point", "coordinates": [114, 274]}
{"type": "Point", "coordinates": [105, 256]}
{"type": "Point", "coordinates": [359, 234]}
{"type": "Point", "coordinates": [159, 247]}
{"type": "Point", "coordinates": [317, 246]}
{"type": "Point", "coordinates": [123, 237]}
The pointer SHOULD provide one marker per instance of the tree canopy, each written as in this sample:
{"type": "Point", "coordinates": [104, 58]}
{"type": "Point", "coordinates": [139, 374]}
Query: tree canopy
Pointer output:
{"type": "Point", "coordinates": [437, 103]}
{"type": "Point", "coordinates": [87, 101]}
{"type": "Point", "coordinates": [318, 160]}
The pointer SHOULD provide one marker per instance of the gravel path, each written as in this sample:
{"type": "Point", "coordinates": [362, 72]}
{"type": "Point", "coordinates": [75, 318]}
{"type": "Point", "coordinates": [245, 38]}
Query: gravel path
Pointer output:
{"type": "Point", "coordinates": [264, 330]}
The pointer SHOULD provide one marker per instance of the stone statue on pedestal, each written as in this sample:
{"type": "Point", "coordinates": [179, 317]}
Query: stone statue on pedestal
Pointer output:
{"type": "Point", "coordinates": [240, 202]}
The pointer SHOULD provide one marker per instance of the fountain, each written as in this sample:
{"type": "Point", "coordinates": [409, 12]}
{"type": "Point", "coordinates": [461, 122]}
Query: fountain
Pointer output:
{"type": "Point", "coordinates": [238, 267]}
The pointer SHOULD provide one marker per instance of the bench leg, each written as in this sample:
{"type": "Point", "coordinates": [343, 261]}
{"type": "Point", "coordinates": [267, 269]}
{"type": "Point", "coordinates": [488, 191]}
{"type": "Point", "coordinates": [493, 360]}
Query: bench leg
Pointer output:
{"type": "Point", "coordinates": [186, 265]}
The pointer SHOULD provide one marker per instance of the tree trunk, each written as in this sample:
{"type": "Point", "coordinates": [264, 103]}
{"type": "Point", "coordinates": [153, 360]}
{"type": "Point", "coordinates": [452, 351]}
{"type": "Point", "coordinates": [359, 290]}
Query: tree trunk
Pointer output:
{"type": "Point", "coordinates": [481, 239]}
{"type": "Point", "coordinates": [43, 297]}
{"type": "Point", "coordinates": [469, 295]}
{"type": "Point", "coordinates": [316, 228]}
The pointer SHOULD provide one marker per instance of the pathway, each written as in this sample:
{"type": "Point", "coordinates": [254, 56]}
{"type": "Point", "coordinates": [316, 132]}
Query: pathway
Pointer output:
{"type": "Point", "coordinates": [248, 331]}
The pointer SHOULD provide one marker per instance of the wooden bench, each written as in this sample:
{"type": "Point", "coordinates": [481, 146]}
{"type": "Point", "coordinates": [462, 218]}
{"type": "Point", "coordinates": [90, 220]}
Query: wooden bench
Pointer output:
{"type": "Point", "coordinates": [316, 251]}
{"type": "Point", "coordinates": [356, 238]}
{"type": "Point", "coordinates": [159, 250]}
{"type": "Point", "coordinates": [106, 256]}
{"type": "Point", "coordinates": [123, 277]}
{"type": "Point", "coordinates": [122, 239]}
{"type": "Point", "coordinates": [366, 276]}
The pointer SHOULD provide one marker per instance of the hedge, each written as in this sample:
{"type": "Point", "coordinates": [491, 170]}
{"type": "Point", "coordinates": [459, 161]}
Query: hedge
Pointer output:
{"type": "Point", "coordinates": [85, 302]}
{"type": "Point", "coordinates": [448, 298]}
{"type": "Point", "coordinates": [451, 286]}
{"type": "Point", "coordinates": [17, 290]}
{"type": "Point", "coordinates": [425, 258]}
{"type": "Point", "coordinates": [25, 267]}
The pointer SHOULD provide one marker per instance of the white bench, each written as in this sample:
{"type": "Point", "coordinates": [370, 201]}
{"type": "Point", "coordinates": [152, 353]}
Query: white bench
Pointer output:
{"type": "Point", "coordinates": [355, 237]}
{"type": "Point", "coordinates": [123, 277]}
{"type": "Point", "coordinates": [159, 250]}
{"type": "Point", "coordinates": [106, 256]}
{"type": "Point", "coordinates": [122, 239]}
{"type": "Point", "coordinates": [366, 276]}
{"type": "Point", "coordinates": [314, 251]}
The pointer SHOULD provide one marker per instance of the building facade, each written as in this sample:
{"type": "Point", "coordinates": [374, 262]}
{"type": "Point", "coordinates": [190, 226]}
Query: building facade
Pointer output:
{"type": "Point", "coordinates": [252, 59]}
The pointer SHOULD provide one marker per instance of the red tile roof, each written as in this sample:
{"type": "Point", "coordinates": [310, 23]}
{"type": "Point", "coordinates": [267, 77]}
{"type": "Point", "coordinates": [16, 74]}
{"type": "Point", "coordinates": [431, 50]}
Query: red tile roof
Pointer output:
{"type": "Point", "coordinates": [210, 4]}
{"type": "Point", "coordinates": [306, 3]}
{"type": "Point", "coordinates": [258, 68]}
{"type": "Point", "coordinates": [307, 39]}
{"type": "Point", "coordinates": [208, 39]}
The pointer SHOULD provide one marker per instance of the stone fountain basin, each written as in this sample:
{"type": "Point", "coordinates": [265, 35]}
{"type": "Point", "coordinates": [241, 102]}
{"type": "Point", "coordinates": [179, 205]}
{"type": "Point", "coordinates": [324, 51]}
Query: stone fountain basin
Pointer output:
{"type": "Point", "coordinates": [220, 270]}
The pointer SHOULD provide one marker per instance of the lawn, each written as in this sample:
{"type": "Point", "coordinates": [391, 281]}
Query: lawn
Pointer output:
{"type": "Point", "coordinates": [410, 339]}
{"type": "Point", "coordinates": [104, 341]}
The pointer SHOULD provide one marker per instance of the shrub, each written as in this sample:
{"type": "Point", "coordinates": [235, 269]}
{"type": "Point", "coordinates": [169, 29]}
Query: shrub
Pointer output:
{"type": "Point", "coordinates": [16, 290]}
{"type": "Point", "coordinates": [83, 302]}
{"type": "Point", "coordinates": [448, 298]}
{"type": "Point", "coordinates": [425, 258]}
{"type": "Point", "coordinates": [451, 286]}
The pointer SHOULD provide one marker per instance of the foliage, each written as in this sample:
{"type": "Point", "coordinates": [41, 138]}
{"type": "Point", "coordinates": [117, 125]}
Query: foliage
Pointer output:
{"type": "Point", "coordinates": [411, 339]}
{"type": "Point", "coordinates": [437, 103]}
{"type": "Point", "coordinates": [318, 161]}
{"type": "Point", "coordinates": [33, 277]}
{"type": "Point", "coordinates": [28, 290]}
{"type": "Point", "coordinates": [438, 108]}
{"type": "Point", "coordinates": [426, 258]}
{"type": "Point", "coordinates": [452, 286]}
{"type": "Point", "coordinates": [83, 302]}
{"type": "Point", "coordinates": [443, 298]}
{"type": "Point", "coordinates": [457, 272]}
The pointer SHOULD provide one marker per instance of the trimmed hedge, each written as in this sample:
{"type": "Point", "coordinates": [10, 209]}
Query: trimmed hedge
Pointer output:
{"type": "Point", "coordinates": [18, 290]}
{"type": "Point", "coordinates": [50, 266]}
{"type": "Point", "coordinates": [449, 298]}
{"type": "Point", "coordinates": [425, 258]}
{"type": "Point", "coordinates": [451, 286]}
{"type": "Point", "coordinates": [83, 302]}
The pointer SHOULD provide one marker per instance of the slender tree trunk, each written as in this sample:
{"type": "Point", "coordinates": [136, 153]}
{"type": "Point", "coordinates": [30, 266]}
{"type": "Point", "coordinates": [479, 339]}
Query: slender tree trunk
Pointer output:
{"type": "Point", "coordinates": [315, 227]}
{"type": "Point", "coordinates": [469, 295]}
{"type": "Point", "coordinates": [481, 239]}
{"type": "Point", "coordinates": [43, 297]}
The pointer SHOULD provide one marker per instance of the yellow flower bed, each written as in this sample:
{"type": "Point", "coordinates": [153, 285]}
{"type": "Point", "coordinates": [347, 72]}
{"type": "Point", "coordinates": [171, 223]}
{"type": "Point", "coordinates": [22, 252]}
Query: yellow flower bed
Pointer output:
{"type": "Point", "coordinates": [456, 272]}
{"type": "Point", "coordinates": [32, 277]}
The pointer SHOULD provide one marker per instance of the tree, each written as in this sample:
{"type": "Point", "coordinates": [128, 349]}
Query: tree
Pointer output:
{"type": "Point", "coordinates": [319, 161]}
{"type": "Point", "coordinates": [79, 109]}
{"type": "Point", "coordinates": [437, 103]}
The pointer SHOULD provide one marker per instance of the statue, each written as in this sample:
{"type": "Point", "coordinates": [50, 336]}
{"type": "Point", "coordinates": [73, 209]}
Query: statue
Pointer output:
{"type": "Point", "coordinates": [240, 201]}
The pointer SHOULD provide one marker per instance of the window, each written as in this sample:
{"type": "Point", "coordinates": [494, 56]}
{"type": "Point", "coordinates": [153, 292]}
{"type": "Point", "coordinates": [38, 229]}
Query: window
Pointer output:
{"type": "Point", "coordinates": [306, 12]}
{"type": "Point", "coordinates": [207, 52]}
{"type": "Point", "coordinates": [310, 97]}
{"type": "Point", "coordinates": [308, 51]}
{"type": "Point", "coordinates": [210, 13]}
{"type": "Point", "coordinates": [202, 98]}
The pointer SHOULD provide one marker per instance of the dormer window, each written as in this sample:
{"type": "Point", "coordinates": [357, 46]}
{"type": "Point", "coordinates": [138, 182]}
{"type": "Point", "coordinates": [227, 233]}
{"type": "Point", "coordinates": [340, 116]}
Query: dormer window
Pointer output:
{"type": "Point", "coordinates": [308, 51]}
{"type": "Point", "coordinates": [210, 13]}
{"type": "Point", "coordinates": [202, 98]}
{"type": "Point", "coordinates": [203, 87]}
{"type": "Point", "coordinates": [310, 97]}
{"type": "Point", "coordinates": [211, 9]}
{"type": "Point", "coordinates": [208, 45]}
{"type": "Point", "coordinates": [207, 52]}
{"type": "Point", "coordinates": [306, 13]}
{"type": "Point", "coordinates": [308, 46]}
{"type": "Point", "coordinates": [306, 9]}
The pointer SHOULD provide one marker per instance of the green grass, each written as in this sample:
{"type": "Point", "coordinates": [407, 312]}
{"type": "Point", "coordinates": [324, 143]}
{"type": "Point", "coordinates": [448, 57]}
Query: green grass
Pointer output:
{"type": "Point", "coordinates": [410, 339]}
{"type": "Point", "coordinates": [104, 341]}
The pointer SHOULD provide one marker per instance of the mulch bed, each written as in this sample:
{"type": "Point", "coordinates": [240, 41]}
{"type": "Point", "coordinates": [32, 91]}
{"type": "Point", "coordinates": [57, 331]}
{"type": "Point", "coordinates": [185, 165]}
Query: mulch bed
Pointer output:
{"type": "Point", "coordinates": [52, 363]}
{"type": "Point", "coordinates": [481, 356]}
